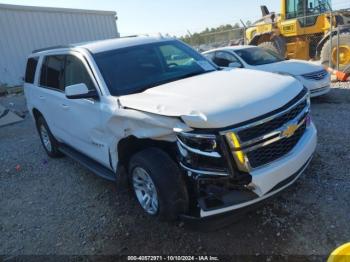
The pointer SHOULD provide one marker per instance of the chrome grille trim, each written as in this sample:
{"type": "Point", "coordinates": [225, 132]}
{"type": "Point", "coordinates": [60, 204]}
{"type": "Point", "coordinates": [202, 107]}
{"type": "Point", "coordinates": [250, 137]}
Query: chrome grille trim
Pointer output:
{"type": "Point", "coordinates": [271, 137]}
{"type": "Point", "coordinates": [319, 75]}
{"type": "Point", "coordinates": [278, 132]}
{"type": "Point", "coordinates": [272, 140]}
{"type": "Point", "coordinates": [236, 130]}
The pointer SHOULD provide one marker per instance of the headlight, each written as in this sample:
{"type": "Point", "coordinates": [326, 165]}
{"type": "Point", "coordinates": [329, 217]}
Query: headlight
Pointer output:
{"type": "Point", "coordinates": [201, 152]}
{"type": "Point", "coordinates": [199, 144]}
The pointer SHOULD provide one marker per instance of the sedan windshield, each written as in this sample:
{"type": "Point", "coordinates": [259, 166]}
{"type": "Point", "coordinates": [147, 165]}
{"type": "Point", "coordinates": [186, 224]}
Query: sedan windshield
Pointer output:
{"type": "Point", "coordinates": [138, 68]}
{"type": "Point", "coordinates": [258, 56]}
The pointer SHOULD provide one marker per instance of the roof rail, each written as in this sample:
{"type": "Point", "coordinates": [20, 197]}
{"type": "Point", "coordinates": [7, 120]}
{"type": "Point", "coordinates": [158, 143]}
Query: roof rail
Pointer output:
{"type": "Point", "coordinates": [74, 45]}
{"type": "Point", "coordinates": [51, 48]}
{"type": "Point", "coordinates": [127, 36]}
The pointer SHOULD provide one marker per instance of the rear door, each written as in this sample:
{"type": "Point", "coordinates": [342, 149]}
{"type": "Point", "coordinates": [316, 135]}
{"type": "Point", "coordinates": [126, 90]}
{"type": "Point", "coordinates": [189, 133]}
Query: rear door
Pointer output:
{"type": "Point", "coordinates": [50, 92]}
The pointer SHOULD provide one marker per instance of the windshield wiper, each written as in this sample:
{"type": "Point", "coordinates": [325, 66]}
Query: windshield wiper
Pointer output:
{"type": "Point", "coordinates": [190, 75]}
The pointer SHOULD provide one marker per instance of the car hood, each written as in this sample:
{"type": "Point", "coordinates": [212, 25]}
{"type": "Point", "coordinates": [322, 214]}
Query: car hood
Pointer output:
{"type": "Point", "coordinates": [217, 99]}
{"type": "Point", "coordinates": [293, 67]}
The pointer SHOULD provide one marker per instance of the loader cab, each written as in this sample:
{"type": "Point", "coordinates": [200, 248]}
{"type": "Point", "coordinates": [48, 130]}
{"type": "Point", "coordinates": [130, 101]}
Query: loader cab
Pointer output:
{"type": "Point", "coordinates": [306, 12]}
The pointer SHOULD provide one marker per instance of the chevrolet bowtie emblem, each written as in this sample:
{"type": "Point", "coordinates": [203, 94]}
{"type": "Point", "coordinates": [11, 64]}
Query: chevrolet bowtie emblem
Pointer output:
{"type": "Point", "coordinates": [290, 130]}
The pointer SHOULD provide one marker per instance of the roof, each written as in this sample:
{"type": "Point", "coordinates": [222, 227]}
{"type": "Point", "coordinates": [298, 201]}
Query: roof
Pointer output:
{"type": "Point", "coordinates": [117, 43]}
{"type": "Point", "coordinates": [110, 44]}
{"type": "Point", "coordinates": [236, 47]}
{"type": "Point", "coordinates": [54, 9]}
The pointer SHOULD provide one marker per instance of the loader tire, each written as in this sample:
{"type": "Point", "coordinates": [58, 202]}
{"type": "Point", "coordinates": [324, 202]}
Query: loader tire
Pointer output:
{"type": "Point", "coordinates": [344, 52]}
{"type": "Point", "coordinates": [272, 47]}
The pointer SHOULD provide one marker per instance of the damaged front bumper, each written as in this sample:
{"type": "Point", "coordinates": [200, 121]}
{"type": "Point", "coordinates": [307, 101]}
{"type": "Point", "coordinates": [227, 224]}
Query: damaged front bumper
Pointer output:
{"type": "Point", "coordinates": [244, 202]}
{"type": "Point", "coordinates": [224, 195]}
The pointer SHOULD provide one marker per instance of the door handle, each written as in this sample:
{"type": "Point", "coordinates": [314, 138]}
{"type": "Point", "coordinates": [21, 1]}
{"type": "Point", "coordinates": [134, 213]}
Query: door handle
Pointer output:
{"type": "Point", "coordinates": [42, 97]}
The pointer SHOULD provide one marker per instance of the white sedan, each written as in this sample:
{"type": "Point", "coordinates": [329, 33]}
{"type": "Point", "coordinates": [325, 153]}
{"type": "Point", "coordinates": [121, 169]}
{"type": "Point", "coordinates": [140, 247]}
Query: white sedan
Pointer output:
{"type": "Point", "coordinates": [312, 76]}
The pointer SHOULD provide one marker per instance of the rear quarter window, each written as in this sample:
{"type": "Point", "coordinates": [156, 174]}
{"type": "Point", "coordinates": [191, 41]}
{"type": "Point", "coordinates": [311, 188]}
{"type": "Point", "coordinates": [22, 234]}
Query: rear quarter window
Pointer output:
{"type": "Point", "coordinates": [30, 70]}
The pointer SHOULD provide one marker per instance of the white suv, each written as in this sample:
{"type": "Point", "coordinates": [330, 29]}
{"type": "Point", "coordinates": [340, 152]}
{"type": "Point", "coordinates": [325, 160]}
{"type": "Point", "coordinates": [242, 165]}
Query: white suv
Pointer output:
{"type": "Point", "coordinates": [195, 141]}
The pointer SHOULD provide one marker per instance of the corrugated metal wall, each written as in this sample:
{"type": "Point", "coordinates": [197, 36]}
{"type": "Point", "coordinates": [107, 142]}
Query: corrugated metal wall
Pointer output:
{"type": "Point", "coordinates": [24, 29]}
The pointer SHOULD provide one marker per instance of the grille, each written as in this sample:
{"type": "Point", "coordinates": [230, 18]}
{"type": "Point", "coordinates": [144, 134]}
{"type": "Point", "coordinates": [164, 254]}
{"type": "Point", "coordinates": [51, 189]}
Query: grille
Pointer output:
{"type": "Point", "coordinates": [251, 133]}
{"type": "Point", "coordinates": [276, 150]}
{"type": "Point", "coordinates": [270, 126]}
{"type": "Point", "coordinates": [319, 75]}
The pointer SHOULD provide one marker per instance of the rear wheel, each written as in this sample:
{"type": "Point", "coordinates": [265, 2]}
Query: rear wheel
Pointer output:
{"type": "Point", "coordinates": [158, 184]}
{"type": "Point", "coordinates": [48, 141]}
{"type": "Point", "coordinates": [344, 52]}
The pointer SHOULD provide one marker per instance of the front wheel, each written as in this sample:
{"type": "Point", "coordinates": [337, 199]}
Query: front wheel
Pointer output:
{"type": "Point", "coordinates": [158, 184]}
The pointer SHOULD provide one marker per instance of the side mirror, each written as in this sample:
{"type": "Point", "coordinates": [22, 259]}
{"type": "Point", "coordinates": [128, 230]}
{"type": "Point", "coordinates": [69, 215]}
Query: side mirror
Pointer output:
{"type": "Point", "coordinates": [79, 91]}
{"type": "Point", "coordinates": [234, 65]}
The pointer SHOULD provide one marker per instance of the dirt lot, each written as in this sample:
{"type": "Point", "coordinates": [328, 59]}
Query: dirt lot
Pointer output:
{"type": "Point", "coordinates": [55, 206]}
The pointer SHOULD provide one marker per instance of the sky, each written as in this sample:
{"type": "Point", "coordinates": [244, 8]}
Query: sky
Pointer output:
{"type": "Point", "coordinates": [175, 17]}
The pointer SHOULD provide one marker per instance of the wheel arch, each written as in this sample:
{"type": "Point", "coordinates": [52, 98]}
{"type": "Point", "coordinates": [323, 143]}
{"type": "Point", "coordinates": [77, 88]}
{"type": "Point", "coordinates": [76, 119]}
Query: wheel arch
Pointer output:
{"type": "Point", "coordinates": [129, 146]}
{"type": "Point", "coordinates": [36, 113]}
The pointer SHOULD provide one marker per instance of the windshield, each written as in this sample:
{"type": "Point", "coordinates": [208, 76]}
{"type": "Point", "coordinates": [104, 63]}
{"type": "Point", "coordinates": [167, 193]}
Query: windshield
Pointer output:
{"type": "Point", "coordinates": [258, 56]}
{"type": "Point", "coordinates": [318, 6]}
{"type": "Point", "coordinates": [138, 68]}
{"type": "Point", "coordinates": [306, 8]}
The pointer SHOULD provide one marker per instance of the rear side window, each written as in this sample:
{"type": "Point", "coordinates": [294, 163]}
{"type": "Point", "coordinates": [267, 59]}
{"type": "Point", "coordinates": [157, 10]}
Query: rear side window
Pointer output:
{"type": "Point", "coordinates": [30, 70]}
{"type": "Point", "coordinates": [76, 73]}
{"type": "Point", "coordinates": [52, 72]}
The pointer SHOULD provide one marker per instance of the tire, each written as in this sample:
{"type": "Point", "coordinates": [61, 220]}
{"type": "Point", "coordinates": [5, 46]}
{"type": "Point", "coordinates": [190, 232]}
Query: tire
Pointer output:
{"type": "Point", "coordinates": [272, 47]}
{"type": "Point", "coordinates": [344, 40]}
{"type": "Point", "coordinates": [168, 188]}
{"type": "Point", "coordinates": [48, 141]}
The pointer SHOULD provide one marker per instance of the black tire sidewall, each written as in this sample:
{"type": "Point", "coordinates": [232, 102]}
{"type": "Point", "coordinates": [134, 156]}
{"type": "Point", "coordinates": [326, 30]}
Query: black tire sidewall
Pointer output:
{"type": "Point", "coordinates": [344, 38]}
{"type": "Point", "coordinates": [272, 47]}
{"type": "Point", "coordinates": [167, 178]}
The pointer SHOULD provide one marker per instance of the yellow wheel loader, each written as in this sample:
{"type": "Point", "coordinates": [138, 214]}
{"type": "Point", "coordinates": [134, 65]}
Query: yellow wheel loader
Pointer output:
{"type": "Point", "coordinates": [305, 29]}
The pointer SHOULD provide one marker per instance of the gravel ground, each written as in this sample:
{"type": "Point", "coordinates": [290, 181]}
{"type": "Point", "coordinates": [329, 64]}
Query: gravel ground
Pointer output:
{"type": "Point", "coordinates": [55, 206]}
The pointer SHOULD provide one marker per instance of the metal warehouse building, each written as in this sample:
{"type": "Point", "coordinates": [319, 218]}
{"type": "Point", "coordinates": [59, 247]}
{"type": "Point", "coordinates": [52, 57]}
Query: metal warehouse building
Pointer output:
{"type": "Point", "coordinates": [25, 28]}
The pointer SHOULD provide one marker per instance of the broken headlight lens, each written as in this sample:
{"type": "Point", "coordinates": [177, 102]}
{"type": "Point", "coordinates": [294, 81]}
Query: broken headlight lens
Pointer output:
{"type": "Point", "coordinates": [199, 144]}
{"type": "Point", "coordinates": [205, 143]}
{"type": "Point", "coordinates": [200, 151]}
